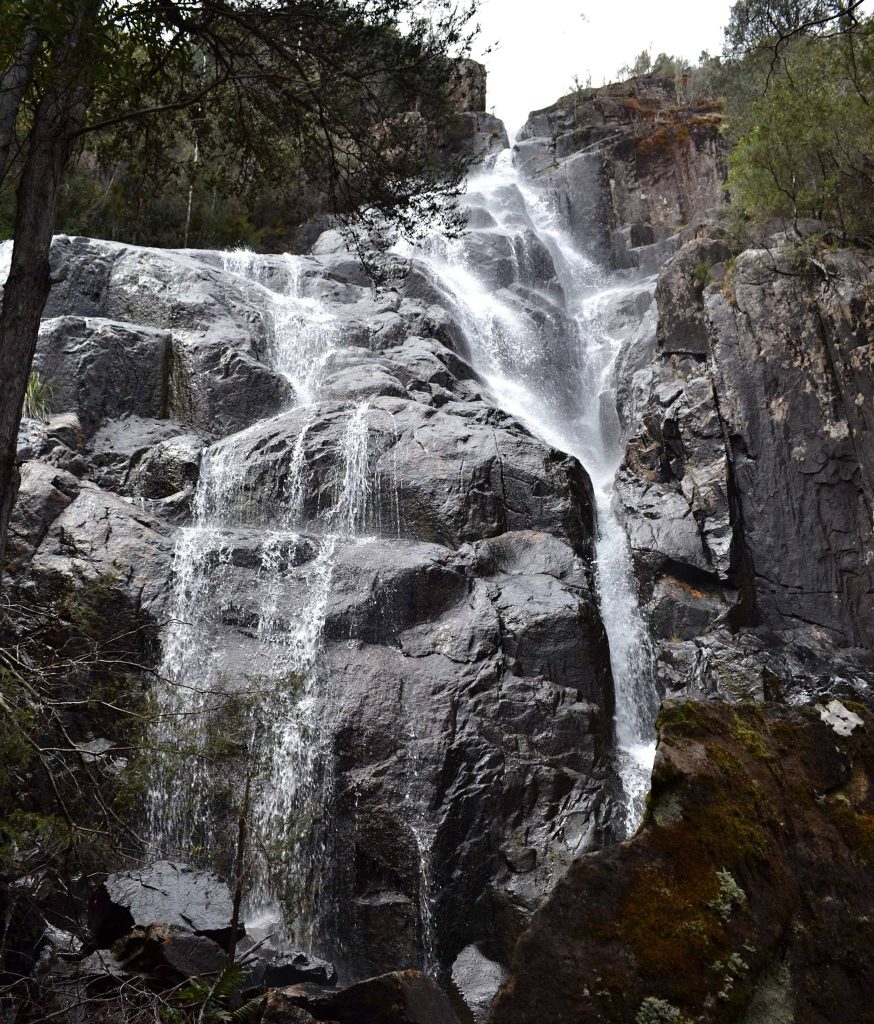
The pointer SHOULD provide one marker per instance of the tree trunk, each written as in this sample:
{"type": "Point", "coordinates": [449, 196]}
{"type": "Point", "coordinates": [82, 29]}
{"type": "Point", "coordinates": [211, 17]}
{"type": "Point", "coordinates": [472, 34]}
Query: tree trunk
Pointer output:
{"type": "Point", "coordinates": [59, 114]}
{"type": "Point", "coordinates": [13, 86]}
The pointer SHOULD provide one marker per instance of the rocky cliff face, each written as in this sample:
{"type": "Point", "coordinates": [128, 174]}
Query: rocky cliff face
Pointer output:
{"type": "Point", "coordinates": [744, 399]}
{"type": "Point", "coordinates": [747, 483]}
{"type": "Point", "coordinates": [744, 402]}
{"type": "Point", "coordinates": [629, 164]}
{"type": "Point", "coordinates": [316, 485]}
{"type": "Point", "coordinates": [464, 666]}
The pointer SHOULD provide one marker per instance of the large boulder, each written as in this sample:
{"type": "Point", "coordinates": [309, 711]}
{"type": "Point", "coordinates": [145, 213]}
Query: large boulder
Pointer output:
{"type": "Point", "coordinates": [100, 369]}
{"type": "Point", "coordinates": [746, 895]}
{"type": "Point", "coordinates": [165, 893]}
{"type": "Point", "coordinates": [108, 556]}
{"type": "Point", "coordinates": [446, 475]}
{"type": "Point", "coordinates": [405, 997]}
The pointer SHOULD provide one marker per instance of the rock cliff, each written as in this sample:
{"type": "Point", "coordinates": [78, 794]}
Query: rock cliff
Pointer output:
{"type": "Point", "coordinates": [464, 666]}
{"type": "Point", "coordinates": [265, 477]}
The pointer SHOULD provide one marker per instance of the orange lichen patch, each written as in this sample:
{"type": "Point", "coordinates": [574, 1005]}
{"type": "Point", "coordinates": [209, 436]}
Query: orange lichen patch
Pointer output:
{"type": "Point", "coordinates": [668, 924]}
{"type": "Point", "coordinates": [668, 138]}
{"type": "Point", "coordinates": [706, 120]}
{"type": "Point", "coordinates": [632, 103]}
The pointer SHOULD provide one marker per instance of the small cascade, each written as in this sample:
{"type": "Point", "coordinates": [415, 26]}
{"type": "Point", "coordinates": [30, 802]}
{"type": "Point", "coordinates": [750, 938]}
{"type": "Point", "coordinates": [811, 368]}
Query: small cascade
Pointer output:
{"type": "Point", "coordinates": [301, 332]}
{"type": "Point", "coordinates": [550, 362]}
{"type": "Point", "coordinates": [351, 504]}
{"type": "Point", "coordinates": [241, 656]}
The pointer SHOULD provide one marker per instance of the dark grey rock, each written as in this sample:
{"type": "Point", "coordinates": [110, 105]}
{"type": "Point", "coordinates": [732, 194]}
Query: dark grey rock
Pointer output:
{"type": "Point", "coordinates": [170, 466]}
{"type": "Point", "coordinates": [36, 440]}
{"type": "Point", "coordinates": [683, 328]}
{"type": "Point", "coordinates": [43, 495]}
{"type": "Point", "coordinates": [403, 997]}
{"type": "Point", "coordinates": [100, 369]}
{"type": "Point", "coordinates": [106, 551]}
{"type": "Point", "coordinates": [119, 445]}
{"type": "Point", "coordinates": [165, 893]}
{"type": "Point", "coordinates": [193, 956]}
{"type": "Point", "coordinates": [746, 484]}
{"type": "Point", "coordinates": [435, 475]}
{"type": "Point", "coordinates": [295, 968]}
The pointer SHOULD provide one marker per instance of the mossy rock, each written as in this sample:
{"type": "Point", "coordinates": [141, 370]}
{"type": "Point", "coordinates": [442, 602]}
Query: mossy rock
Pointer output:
{"type": "Point", "coordinates": [748, 886]}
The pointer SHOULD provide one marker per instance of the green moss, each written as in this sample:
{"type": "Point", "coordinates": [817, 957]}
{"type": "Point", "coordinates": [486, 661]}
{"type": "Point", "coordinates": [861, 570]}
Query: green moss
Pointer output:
{"type": "Point", "coordinates": [22, 831]}
{"type": "Point", "coordinates": [857, 829]}
{"type": "Point", "coordinates": [733, 818]}
{"type": "Point", "coordinates": [668, 920]}
{"type": "Point", "coordinates": [690, 718]}
{"type": "Point", "coordinates": [93, 607]}
{"type": "Point", "coordinates": [750, 730]}
{"type": "Point", "coordinates": [701, 275]}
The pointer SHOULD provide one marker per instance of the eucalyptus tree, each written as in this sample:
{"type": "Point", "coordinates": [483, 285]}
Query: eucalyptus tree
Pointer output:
{"type": "Point", "coordinates": [773, 24]}
{"type": "Point", "coordinates": [799, 80]}
{"type": "Point", "coordinates": [341, 97]}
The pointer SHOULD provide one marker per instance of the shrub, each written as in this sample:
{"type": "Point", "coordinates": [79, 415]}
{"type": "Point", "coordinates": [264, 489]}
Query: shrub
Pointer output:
{"type": "Point", "coordinates": [37, 398]}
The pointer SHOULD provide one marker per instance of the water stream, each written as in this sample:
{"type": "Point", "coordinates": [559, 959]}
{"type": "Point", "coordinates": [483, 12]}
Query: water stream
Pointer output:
{"type": "Point", "coordinates": [241, 656]}
{"type": "Point", "coordinates": [543, 345]}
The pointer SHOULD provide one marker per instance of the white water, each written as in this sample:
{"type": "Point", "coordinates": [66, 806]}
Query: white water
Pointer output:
{"type": "Point", "coordinates": [555, 373]}
{"type": "Point", "coordinates": [236, 670]}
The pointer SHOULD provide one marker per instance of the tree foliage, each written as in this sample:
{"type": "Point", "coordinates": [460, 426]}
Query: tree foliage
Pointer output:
{"type": "Point", "coordinates": [801, 110]}
{"type": "Point", "coordinates": [773, 24]}
{"type": "Point", "coordinates": [344, 99]}
{"type": "Point", "coordinates": [331, 104]}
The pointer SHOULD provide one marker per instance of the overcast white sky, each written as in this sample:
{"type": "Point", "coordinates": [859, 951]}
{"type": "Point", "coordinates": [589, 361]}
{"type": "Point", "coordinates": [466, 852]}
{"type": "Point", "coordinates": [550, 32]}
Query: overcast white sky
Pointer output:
{"type": "Point", "coordinates": [542, 44]}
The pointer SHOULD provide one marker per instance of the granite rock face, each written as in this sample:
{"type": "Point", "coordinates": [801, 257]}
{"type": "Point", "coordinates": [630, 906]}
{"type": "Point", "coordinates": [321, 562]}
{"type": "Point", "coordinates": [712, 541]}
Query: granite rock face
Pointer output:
{"type": "Point", "coordinates": [746, 895]}
{"type": "Point", "coordinates": [464, 682]}
{"type": "Point", "coordinates": [628, 164]}
{"type": "Point", "coordinates": [747, 486]}
{"type": "Point", "coordinates": [466, 671]}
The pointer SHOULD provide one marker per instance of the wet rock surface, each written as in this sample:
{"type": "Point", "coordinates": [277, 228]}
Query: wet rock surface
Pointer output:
{"type": "Point", "coordinates": [166, 893]}
{"type": "Point", "coordinates": [747, 486]}
{"type": "Point", "coordinates": [466, 673]}
{"type": "Point", "coordinates": [466, 698]}
{"type": "Point", "coordinates": [404, 997]}
{"type": "Point", "coordinates": [746, 895]}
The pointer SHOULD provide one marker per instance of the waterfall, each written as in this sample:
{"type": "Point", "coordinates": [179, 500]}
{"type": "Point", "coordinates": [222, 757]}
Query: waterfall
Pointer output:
{"type": "Point", "coordinates": [230, 672]}
{"type": "Point", "coordinates": [241, 670]}
{"type": "Point", "coordinates": [535, 313]}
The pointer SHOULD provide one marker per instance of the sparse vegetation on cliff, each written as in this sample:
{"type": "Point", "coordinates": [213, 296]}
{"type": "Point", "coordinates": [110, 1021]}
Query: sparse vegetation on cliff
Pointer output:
{"type": "Point", "coordinates": [800, 115]}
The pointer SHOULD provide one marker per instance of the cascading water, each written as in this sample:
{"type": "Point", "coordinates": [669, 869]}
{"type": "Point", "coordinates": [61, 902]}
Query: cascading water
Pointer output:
{"type": "Point", "coordinates": [272, 680]}
{"type": "Point", "coordinates": [535, 313]}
